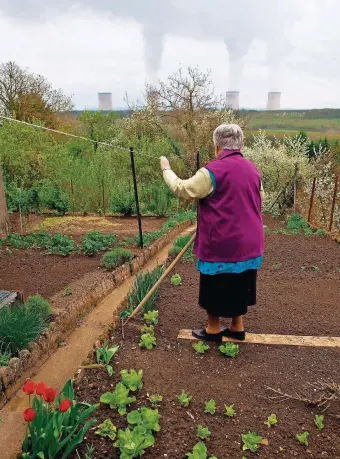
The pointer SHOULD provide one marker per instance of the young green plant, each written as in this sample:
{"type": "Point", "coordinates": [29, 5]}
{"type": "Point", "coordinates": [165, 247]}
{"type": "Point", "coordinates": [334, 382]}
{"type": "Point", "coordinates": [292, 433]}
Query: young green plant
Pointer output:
{"type": "Point", "coordinates": [229, 411]}
{"type": "Point", "coordinates": [132, 379]}
{"type": "Point", "coordinates": [303, 438]}
{"type": "Point", "coordinates": [104, 356]}
{"type": "Point", "coordinates": [210, 407]}
{"type": "Point", "coordinates": [107, 429]}
{"type": "Point", "coordinates": [200, 347]}
{"type": "Point", "coordinates": [251, 441]}
{"type": "Point", "coordinates": [271, 421]}
{"type": "Point", "coordinates": [184, 399]}
{"type": "Point", "coordinates": [119, 399]}
{"type": "Point", "coordinates": [318, 421]}
{"type": "Point", "coordinates": [230, 350]}
{"type": "Point", "coordinates": [147, 341]}
{"type": "Point", "coordinates": [203, 432]}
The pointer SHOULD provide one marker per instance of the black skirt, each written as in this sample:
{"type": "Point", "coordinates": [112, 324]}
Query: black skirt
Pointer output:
{"type": "Point", "coordinates": [228, 294]}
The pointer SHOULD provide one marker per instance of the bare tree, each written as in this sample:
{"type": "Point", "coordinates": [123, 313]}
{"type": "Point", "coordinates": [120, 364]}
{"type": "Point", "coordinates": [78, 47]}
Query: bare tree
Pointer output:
{"type": "Point", "coordinates": [26, 96]}
{"type": "Point", "coordinates": [4, 217]}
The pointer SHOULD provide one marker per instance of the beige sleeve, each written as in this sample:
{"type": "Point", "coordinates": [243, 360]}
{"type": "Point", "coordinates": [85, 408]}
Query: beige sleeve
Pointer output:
{"type": "Point", "coordinates": [197, 187]}
{"type": "Point", "coordinates": [262, 192]}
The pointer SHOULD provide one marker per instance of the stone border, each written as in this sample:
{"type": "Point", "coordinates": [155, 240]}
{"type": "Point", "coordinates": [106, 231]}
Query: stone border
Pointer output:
{"type": "Point", "coordinates": [12, 376]}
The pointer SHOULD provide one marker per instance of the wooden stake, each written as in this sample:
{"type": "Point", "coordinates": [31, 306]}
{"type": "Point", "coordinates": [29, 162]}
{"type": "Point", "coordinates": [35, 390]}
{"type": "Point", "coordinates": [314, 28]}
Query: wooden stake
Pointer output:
{"type": "Point", "coordinates": [311, 200]}
{"type": "Point", "coordinates": [333, 203]}
{"type": "Point", "coordinates": [160, 280]}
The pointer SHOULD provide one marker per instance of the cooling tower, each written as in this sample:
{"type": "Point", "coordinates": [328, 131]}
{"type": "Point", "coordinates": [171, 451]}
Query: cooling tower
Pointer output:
{"type": "Point", "coordinates": [233, 99]}
{"type": "Point", "coordinates": [274, 101]}
{"type": "Point", "coordinates": [105, 101]}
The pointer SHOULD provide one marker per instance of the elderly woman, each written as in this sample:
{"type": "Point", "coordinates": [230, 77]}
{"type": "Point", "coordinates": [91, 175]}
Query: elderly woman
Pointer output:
{"type": "Point", "coordinates": [230, 238]}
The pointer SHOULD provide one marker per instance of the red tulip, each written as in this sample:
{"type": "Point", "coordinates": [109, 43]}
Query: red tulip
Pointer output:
{"type": "Point", "coordinates": [65, 405]}
{"type": "Point", "coordinates": [29, 387]}
{"type": "Point", "coordinates": [40, 388]}
{"type": "Point", "coordinates": [50, 394]}
{"type": "Point", "coordinates": [29, 414]}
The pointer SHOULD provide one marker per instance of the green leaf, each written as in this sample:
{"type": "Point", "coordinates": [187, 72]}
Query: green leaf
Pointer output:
{"type": "Point", "coordinates": [303, 438]}
{"type": "Point", "coordinates": [132, 379]}
{"type": "Point", "coordinates": [119, 399]}
{"type": "Point", "coordinates": [199, 451]}
{"type": "Point", "coordinates": [156, 399]}
{"type": "Point", "coordinates": [200, 347]}
{"type": "Point", "coordinates": [251, 441]}
{"type": "Point", "coordinates": [210, 407]}
{"type": "Point", "coordinates": [151, 317]}
{"type": "Point", "coordinates": [203, 432]}
{"type": "Point", "coordinates": [132, 443]}
{"type": "Point", "coordinates": [107, 429]}
{"type": "Point", "coordinates": [272, 420]}
{"type": "Point", "coordinates": [148, 329]}
{"type": "Point", "coordinates": [230, 350]}
{"type": "Point", "coordinates": [109, 370]}
{"type": "Point", "coordinates": [176, 280]}
{"type": "Point", "coordinates": [318, 421]}
{"type": "Point", "coordinates": [184, 399]}
{"type": "Point", "coordinates": [41, 455]}
{"type": "Point", "coordinates": [147, 418]}
{"type": "Point", "coordinates": [229, 411]}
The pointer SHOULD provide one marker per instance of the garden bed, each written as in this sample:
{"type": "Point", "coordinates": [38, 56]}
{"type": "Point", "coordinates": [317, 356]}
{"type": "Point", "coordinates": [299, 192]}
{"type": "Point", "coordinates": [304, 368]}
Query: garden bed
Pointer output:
{"type": "Point", "coordinates": [86, 293]}
{"type": "Point", "coordinates": [291, 300]}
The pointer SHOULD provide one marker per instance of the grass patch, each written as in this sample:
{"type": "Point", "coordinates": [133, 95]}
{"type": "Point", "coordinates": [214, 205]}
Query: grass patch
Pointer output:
{"type": "Point", "coordinates": [142, 286]}
{"type": "Point", "coordinates": [179, 245]}
{"type": "Point", "coordinates": [38, 305]}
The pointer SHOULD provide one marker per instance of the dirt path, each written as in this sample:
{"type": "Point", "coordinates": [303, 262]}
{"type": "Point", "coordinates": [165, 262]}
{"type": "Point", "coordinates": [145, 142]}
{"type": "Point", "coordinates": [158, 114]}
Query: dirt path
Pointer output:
{"type": "Point", "coordinates": [63, 364]}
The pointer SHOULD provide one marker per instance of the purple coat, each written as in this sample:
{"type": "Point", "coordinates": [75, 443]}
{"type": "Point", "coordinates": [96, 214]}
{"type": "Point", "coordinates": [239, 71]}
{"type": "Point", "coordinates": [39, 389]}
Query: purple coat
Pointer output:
{"type": "Point", "coordinates": [230, 227]}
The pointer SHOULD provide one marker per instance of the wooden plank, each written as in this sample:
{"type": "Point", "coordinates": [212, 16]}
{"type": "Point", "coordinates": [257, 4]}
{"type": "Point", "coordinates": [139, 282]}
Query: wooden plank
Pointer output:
{"type": "Point", "coordinates": [285, 340]}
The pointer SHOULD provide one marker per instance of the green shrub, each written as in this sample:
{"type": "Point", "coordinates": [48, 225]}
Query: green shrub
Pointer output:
{"type": "Point", "coordinates": [123, 201]}
{"type": "Point", "coordinates": [297, 223]}
{"type": "Point", "coordinates": [19, 326]}
{"type": "Point", "coordinates": [5, 355]}
{"type": "Point", "coordinates": [61, 245]}
{"type": "Point", "coordinates": [116, 257]}
{"type": "Point", "coordinates": [158, 199]}
{"type": "Point", "coordinates": [95, 242]}
{"type": "Point", "coordinates": [142, 285]}
{"type": "Point", "coordinates": [39, 305]}
{"type": "Point", "coordinates": [179, 245]}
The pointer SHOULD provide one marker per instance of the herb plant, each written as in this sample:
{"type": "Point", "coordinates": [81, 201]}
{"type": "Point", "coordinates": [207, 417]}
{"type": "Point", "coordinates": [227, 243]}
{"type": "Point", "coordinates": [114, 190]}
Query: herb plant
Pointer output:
{"type": "Point", "coordinates": [200, 347]}
{"type": "Point", "coordinates": [151, 317]}
{"type": "Point", "coordinates": [107, 429]}
{"type": "Point", "coordinates": [272, 420]}
{"type": "Point", "coordinates": [318, 421]}
{"type": "Point", "coordinates": [229, 411]}
{"type": "Point", "coordinates": [184, 399]}
{"type": "Point", "coordinates": [147, 341]}
{"type": "Point", "coordinates": [132, 379]}
{"type": "Point", "coordinates": [104, 356]}
{"type": "Point", "coordinates": [303, 438]}
{"type": "Point", "coordinates": [251, 441]}
{"type": "Point", "coordinates": [203, 432]}
{"type": "Point", "coordinates": [119, 399]}
{"type": "Point", "coordinates": [116, 257]}
{"type": "Point", "coordinates": [230, 350]}
{"type": "Point", "coordinates": [210, 407]}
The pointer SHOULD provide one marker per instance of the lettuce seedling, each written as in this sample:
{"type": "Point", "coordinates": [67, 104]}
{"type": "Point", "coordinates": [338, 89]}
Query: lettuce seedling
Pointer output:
{"type": "Point", "coordinates": [318, 421]}
{"type": "Point", "coordinates": [184, 399]}
{"type": "Point", "coordinates": [199, 452]}
{"type": "Point", "coordinates": [210, 407]}
{"type": "Point", "coordinates": [203, 432]}
{"type": "Point", "coordinates": [151, 317]}
{"type": "Point", "coordinates": [230, 350]}
{"type": "Point", "coordinates": [149, 419]}
{"type": "Point", "coordinates": [251, 441]}
{"type": "Point", "coordinates": [147, 329]}
{"type": "Point", "coordinates": [176, 280]}
{"type": "Point", "coordinates": [156, 399]}
{"type": "Point", "coordinates": [272, 420]}
{"type": "Point", "coordinates": [200, 347]}
{"type": "Point", "coordinates": [303, 438]}
{"type": "Point", "coordinates": [119, 399]}
{"type": "Point", "coordinates": [133, 443]}
{"type": "Point", "coordinates": [132, 379]}
{"type": "Point", "coordinates": [229, 411]}
{"type": "Point", "coordinates": [107, 429]}
{"type": "Point", "coordinates": [147, 341]}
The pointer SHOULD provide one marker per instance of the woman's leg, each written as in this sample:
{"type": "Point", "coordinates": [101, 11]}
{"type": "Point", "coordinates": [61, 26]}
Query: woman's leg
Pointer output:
{"type": "Point", "coordinates": [237, 324]}
{"type": "Point", "coordinates": [213, 324]}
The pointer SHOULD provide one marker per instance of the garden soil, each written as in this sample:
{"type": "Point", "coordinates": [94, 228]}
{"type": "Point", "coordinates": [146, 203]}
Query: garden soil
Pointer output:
{"type": "Point", "coordinates": [298, 293]}
{"type": "Point", "coordinates": [32, 272]}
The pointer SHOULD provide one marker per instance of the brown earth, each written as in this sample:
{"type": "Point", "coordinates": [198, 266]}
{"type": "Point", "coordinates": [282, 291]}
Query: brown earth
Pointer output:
{"type": "Point", "coordinates": [33, 272]}
{"type": "Point", "coordinates": [290, 301]}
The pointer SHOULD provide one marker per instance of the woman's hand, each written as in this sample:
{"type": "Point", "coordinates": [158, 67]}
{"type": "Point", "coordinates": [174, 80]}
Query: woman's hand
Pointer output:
{"type": "Point", "coordinates": [164, 163]}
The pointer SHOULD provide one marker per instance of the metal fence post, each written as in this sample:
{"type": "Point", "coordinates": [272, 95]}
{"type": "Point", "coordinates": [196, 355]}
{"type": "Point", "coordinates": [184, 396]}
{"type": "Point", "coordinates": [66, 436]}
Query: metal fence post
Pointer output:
{"type": "Point", "coordinates": [311, 200]}
{"type": "Point", "coordinates": [136, 197]}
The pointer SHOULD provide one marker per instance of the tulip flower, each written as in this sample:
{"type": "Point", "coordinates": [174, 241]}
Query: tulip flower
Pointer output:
{"type": "Point", "coordinates": [40, 388]}
{"type": "Point", "coordinates": [50, 394]}
{"type": "Point", "coordinates": [65, 405]}
{"type": "Point", "coordinates": [29, 387]}
{"type": "Point", "coordinates": [29, 414]}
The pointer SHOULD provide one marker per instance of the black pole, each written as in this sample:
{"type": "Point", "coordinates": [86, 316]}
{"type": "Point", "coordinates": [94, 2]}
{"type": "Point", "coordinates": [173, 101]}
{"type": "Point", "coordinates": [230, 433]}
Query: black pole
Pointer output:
{"type": "Point", "coordinates": [197, 160]}
{"type": "Point", "coordinates": [136, 197]}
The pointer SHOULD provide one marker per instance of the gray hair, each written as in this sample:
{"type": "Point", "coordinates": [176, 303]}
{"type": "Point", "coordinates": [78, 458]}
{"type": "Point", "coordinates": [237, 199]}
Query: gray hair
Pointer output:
{"type": "Point", "coordinates": [228, 137]}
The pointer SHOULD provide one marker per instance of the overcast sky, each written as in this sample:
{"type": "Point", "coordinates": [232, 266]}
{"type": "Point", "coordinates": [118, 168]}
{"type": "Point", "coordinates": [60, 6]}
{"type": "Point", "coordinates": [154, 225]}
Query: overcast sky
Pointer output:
{"type": "Point", "coordinates": [85, 47]}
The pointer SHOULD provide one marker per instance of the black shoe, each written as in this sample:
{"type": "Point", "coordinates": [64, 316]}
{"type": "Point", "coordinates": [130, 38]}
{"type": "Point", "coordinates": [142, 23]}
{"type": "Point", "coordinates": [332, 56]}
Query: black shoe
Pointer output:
{"type": "Point", "coordinates": [203, 335]}
{"type": "Point", "coordinates": [239, 335]}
